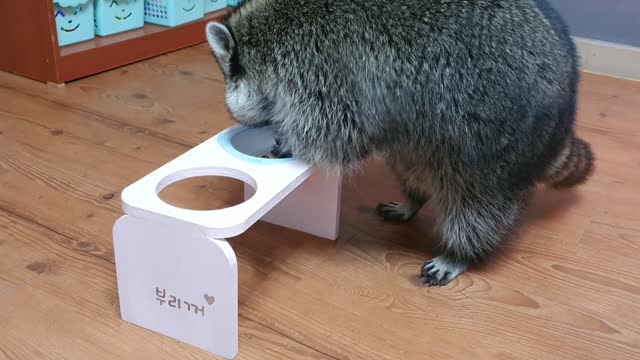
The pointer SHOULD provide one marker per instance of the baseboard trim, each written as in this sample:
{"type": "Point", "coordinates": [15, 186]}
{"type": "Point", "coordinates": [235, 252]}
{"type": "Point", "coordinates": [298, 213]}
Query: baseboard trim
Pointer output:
{"type": "Point", "coordinates": [609, 59]}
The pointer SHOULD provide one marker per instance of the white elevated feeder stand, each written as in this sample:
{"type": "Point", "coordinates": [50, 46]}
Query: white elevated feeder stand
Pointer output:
{"type": "Point", "coordinates": [177, 275]}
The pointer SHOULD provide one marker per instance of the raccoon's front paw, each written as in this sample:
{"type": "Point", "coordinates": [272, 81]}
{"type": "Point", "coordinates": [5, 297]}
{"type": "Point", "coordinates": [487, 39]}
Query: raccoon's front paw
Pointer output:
{"type": "Point", "coordinates": [281, 150]}
{"type": "Point", "coordinates": [393, 211]}
{"type": "Point", "coordinates": [440, 271]}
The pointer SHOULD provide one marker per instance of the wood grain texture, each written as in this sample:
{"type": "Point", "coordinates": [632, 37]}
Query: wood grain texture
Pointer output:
{"type": "Point", "coordinates": [567, 287]}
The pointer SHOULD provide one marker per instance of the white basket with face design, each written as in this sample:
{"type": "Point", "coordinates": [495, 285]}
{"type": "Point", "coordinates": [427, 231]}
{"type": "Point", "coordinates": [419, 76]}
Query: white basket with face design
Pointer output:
{"type": "Point", "coordinates": [74, 21]}
{"type": "Point", "coordinates": [115, 16]}
{"type": "Point", "coordinates": [214, 5]}
{"type": "Point", "coordinates": [173, 12]}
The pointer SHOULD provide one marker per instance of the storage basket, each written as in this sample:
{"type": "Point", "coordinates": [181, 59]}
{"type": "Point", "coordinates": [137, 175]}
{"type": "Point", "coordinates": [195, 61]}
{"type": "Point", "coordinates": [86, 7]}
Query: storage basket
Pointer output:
{"type": "Point", "coordinates": [213, 5]}
{"type": "Point", "coordinates": [114, 16]}
{"type": "Point", "coordinates": [172, 12]}
{"type": "Point", "coordinates": [74, 21]}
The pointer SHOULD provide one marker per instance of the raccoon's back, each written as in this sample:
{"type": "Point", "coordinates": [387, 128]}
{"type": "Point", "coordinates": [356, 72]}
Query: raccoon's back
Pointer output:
{"type": "Point", "coordinates": [369, 47]}
{"type": "Point", "coordinates": [431, 74]}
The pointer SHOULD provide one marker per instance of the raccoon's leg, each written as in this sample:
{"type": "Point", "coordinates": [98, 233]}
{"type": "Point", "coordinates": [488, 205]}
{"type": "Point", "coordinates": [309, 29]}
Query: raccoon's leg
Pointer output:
{"type": "Point", "coordinates": [402, 212]}
{"type": "Point", "coordinates": [414, 186]}
{"type": "Point", "coordinates": [471, 230]}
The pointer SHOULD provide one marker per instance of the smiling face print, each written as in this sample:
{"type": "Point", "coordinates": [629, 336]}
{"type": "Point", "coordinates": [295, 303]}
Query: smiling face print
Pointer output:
{"type": "Point", "coordinates": [120, 13]}
{"type": "Point", "coordinates": [173, 12]}
{"type": "Point", "coordinates": [188, 10]}
{"type": "Point", "coordinates": [114, 16]}
{"type": "Point", "coordinates": [67, 19]}
{"type": "Point", "coordinates": [74, 23]}
{"type": "Point", "coordinates": [188, 5]}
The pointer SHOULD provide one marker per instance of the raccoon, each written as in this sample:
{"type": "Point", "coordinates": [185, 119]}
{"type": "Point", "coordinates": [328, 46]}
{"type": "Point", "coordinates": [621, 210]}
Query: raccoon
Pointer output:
{"type": "Point", "coordinates": [470, 103]}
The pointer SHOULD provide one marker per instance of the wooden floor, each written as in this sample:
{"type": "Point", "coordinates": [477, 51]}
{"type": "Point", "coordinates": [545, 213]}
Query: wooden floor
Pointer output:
{"type": "Point", "coordinates": [568, 287]}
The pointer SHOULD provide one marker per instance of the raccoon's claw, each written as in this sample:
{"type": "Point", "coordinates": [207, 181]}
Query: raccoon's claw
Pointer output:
{"type": "Point", "coordinates": [280, 151]}
{"type": "Point", "coordinates": [393, 211]}
{"type": "Point", "coordinates": [440, 271]}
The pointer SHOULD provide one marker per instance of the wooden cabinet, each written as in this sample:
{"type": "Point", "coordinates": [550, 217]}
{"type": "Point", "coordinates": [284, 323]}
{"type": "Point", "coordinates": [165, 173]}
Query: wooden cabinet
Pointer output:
{"type": "Point", "coordinates": [29, 44]}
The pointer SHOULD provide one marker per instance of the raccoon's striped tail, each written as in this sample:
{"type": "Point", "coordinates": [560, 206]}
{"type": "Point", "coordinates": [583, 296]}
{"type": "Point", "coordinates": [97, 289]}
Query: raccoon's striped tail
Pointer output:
{"type": "Point", "coordinates": [572, 167]}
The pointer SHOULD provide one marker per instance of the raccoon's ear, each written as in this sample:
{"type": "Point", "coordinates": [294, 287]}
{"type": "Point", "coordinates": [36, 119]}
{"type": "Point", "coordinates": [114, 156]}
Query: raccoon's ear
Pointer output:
{"type": "Point", "coordinates": [222, 43]}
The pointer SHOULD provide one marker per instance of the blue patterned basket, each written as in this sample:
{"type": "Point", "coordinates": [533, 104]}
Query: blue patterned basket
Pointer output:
{"type": "Point", "coordinates": [173, 12]}
{"type": "Point", "coordinates": [213, 5]}
{"type": "Point", "coordinates": [114, 16]}
{"type": "Point", "coordinates": [74, 21]}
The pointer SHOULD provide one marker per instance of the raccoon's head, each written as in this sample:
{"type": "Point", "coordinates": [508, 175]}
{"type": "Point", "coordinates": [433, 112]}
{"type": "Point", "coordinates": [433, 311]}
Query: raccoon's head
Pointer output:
{"type": "Point", "coordinates": [244, 97]}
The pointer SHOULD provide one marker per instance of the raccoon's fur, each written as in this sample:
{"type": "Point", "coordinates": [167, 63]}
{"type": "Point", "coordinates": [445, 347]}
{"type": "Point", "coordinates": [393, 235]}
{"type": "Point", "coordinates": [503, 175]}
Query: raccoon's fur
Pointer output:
{"type": "Point", "coordinates": [470, 102]}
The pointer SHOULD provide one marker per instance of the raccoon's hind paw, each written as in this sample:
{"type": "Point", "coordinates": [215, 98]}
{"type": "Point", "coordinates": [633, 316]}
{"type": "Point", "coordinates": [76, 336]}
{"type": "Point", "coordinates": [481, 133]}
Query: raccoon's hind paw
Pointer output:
{"type": "Point", "coordinates": [440, 271]}
{"type": "Point", "coordinates": [393, 211]}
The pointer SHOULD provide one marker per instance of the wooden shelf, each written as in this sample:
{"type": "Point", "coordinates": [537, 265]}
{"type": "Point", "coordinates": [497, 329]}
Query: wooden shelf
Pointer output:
{"type": "Point", "coordinates": [36, 55]}
{"type": "Point", "coordinates": [100, 54]}
{"type": "Point", "coordinates": [147, 30]}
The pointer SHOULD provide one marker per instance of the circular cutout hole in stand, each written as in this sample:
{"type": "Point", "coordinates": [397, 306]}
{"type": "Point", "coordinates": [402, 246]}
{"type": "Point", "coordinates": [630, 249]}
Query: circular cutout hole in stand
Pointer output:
{"type": "Point", "coordinates": [205, 189]}
{"type": "Point", "coordinates": [252, 144]}
{"type": "Point", "coordinates": [204, 193]}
